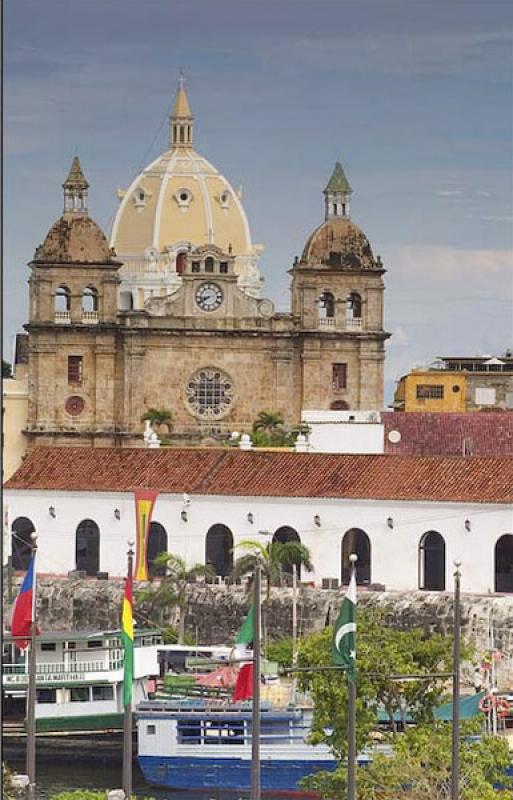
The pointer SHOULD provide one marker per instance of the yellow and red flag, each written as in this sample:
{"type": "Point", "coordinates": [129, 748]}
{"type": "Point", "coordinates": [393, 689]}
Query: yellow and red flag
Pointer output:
{"type": "Point", "coordinates": [144, 502]}
{"type": "Point", "coordinates": [127, 636]}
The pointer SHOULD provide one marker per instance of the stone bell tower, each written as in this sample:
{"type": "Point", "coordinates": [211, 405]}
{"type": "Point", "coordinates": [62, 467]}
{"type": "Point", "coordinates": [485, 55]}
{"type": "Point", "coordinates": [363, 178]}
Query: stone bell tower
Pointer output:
{"type": "Point", "coordinates": [72, 328]}
{"type": "Point", "coordinates": [337, 294]}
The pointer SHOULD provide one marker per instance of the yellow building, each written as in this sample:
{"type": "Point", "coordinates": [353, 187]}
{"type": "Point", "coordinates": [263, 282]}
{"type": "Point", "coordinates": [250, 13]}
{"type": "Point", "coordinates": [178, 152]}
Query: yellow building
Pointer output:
{"type": "Point", "coordinates": [430, 390]}
{"type": "Point", "coordinates": [14, 412]}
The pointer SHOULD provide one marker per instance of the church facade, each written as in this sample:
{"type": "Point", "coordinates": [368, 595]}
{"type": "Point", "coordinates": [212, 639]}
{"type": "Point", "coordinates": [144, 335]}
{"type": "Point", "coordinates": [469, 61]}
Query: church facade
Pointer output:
{"type": "Point", "coordinates": [169, 314]}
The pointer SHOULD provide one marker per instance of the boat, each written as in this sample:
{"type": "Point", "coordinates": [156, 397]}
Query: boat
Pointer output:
{"type": "Point", "coordinates": [194, 743]}
{"type": "Point", "coordinates": [79, 678]}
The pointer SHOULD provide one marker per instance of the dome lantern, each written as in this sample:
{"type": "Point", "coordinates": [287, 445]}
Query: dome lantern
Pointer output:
{"type": "Point", "coordinates": [181, 119]}
{"type": "Point", "coordinates": [337, 195]}
{"type": "Point", "coordinates": [75, 190]}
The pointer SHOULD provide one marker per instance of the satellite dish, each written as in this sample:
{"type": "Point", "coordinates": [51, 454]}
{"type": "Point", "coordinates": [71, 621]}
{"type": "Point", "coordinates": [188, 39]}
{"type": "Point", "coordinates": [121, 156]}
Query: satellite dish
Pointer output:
{"type": "Point", "coordinates": [394, 437]}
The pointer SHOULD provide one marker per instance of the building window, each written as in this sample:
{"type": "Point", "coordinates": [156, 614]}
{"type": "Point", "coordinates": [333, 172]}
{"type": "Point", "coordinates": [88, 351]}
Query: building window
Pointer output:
{"type": "Point", "coordinates": [63, 299]}
{"type": "Point", "coordinates": [209, 393]}
{"type": "Point", "coordinates": [195, 266]}
{"type": "Point", "coordinates": [356, 541]}
{"type": "Point", "coordinates": [151, 730]}
{"type": "Point", "coordinates": [427, 391]}
{"type": "Point", "coordinates": [46, 695]}
{"type": "Point", "coordinates": [95, 644]}
{"type": "Point", "coordinates": [22, 530]}
{"type": "Point", "coordinates": [48, 647]}
{"type": "Point", "coordinates": [79, 694]}
{"type": "Point", "coordinates": [354, 306]}
{"type": "Point", "coordinates": [432, 562]}
{"type": "Point", "coordinates": [504, 564]}
{"type": "Point", "coordinates": [103, 693]}
{"type": "Point", "coordinates": [219, 549]}
{"type": "Point", "coordinates": [326, 306]}
{"type": "Point", "coordinates": [87, 549]}
{"type": "Point", "coordinates": [339, 376]}
{"type": "Point", "coordinates": [223, 267]}
{"type": "Point", "coordinates": [90, 299]}
{"type": "Point", "coordinates": [485, 396]}
{"type": "Point", "coordinates": [157, 544]}
{"type": "Point", "coordinates": [209, 264]}
{"type": "Point", "coordinates": [75, 370]}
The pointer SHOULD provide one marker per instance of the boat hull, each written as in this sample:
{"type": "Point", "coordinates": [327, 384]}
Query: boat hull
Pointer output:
{"type": "Point", "coordinates": [183, 772]}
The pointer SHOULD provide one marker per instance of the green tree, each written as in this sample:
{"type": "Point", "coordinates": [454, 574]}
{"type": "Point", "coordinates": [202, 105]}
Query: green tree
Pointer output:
{"type": "Point", "coordinates": [419, 768]}
{"type": "Point", "coordinates": [269, 431]}
{"type": "Point", "coordinates": [172, 592]}
{"type": "Point", "coordinates": [381, 652]}
{"type": "Point", "coordinates": [159, 417]}
{"type": "Point", "coordinates": [6, 369]}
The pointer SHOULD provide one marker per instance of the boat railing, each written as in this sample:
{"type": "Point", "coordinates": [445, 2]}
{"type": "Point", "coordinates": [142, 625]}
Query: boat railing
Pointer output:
{"type": "Point", "coordinates": [17, 672]}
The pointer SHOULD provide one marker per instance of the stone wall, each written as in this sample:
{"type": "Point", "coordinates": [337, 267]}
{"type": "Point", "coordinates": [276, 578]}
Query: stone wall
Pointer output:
{"type": "Point", "coordinates": [216, 612]}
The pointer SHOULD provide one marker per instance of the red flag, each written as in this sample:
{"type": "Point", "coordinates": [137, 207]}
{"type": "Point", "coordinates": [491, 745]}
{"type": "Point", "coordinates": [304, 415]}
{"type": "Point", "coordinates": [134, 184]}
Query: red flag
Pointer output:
{"type": "Point", "coordinates": [23, 609]}
{"type": "Point", "coordinates": [244, 686]}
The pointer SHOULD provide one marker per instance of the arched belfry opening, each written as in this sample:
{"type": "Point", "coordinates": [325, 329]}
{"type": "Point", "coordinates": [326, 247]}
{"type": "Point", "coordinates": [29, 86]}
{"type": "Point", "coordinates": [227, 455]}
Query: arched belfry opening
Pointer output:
{"type": "Point", "coordinates": [157, 544]}
{"type": "Point", "coordinates": [21, 529]}
{"type": "Point", "coordinates": [219, 549]}
{"type": "Point", "coordinates": [432, 562]}
{"type": "Point", "coordinates": [87, 547]}
{"type": "Point", "coordinates": [356, 541]}
{"type": "Point", "coordinates": [283, 535]}
{"type": "Point", "coordinates": [504, 563]}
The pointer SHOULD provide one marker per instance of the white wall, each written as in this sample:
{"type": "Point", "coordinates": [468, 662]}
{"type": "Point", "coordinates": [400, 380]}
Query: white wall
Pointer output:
{"type": "Point", "coordinates": [394, 552]}
{"type": "Point", "coordinates": [344, 431]}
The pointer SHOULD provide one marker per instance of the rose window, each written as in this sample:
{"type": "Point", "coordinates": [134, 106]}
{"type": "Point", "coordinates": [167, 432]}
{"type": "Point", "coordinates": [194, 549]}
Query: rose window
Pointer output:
{"type": "Point", "coordinates": [209, 393]}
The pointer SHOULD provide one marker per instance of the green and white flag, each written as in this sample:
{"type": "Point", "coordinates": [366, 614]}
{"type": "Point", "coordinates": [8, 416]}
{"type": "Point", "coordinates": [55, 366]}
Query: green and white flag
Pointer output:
{"type": "Point", "coordinates": [343, 647]}
{"type": "Point", "coordinates": [246, 631]}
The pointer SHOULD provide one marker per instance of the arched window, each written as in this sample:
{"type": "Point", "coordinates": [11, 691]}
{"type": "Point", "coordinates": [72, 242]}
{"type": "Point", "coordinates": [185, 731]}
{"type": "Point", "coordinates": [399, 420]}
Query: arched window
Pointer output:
{"type": "Point", "coordinates": [87, 547]}
{"type": "Point", "coordinates": [209, 264]}
{"type": "Point", "coordinates": [219, 549]}
{"type": "Point", "coordinates": [157, 543]}
{"type": "Point", "coordinates": [62, 299]}
{"type": "Point", "coordinates": [432, 562]}
{"type": "Point", "coordinates": [356, 541]}
{"type": "Point", "coordinates": [354, 306]}
{"type": "Point", "coordinates": [284, 535]}
{"type": "Point", "coordinates": [180, 263]}
{"type": "Point", "coordinates": [21, 529]}
{"type": "Point", "coordinates": [339, 405]}
{"type": "Point", "coordinates": [326, 306]}
{"type": "Point", "coordinates": [90, 299]}
{"type": "Point", "coordinates": [504, 563]}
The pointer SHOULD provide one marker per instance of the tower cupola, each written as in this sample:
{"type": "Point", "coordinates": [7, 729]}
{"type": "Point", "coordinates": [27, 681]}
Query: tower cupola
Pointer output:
{"type": "Point", "coordinates": [75, 190]}
{"type": "Point", "coordinates": [337, 195]}
{"type": "Point", "coordinates": [181, 119]}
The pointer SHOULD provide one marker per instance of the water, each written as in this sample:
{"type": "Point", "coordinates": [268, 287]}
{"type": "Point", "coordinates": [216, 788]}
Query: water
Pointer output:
{"type": "Point", "coordinates": [54, 777]}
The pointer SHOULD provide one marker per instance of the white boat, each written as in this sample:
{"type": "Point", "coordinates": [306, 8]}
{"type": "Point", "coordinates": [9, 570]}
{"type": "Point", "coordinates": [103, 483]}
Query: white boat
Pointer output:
{"type": "Point", "coordinates": [79, 678]}
{"type": "Point", "coordinates": [196, 744]}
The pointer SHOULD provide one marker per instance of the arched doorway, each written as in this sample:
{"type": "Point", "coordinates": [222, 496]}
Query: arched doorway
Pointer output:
{"type": "Point", "coordinates": [339, 405]}
{"type": "Point", "coordinates": [219, 549]}
{"type": "Point", "coordinates": [181, 261]}
{"type": "Point", "coordinates": [356, 541]}
{"type": "Point", "coordinates": [157, 543]}
{"type": "Point", "coordinates": [21, 529]}
{"type": "Point", "coordinates": [87, 547]}
{"type": "Point", "coordinates": [283, 535]}
{"type": "Point", "coordinates": [504, 563]}
{"type": "Point", "coordinates": [432, 562]}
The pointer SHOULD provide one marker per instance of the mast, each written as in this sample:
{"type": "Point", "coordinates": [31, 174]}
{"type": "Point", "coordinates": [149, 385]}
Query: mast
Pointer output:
{"type": "Point", "coordinates": [455, 760]}
{"type": "Point", "coordinates": [255, 718]}
{"type": "Point", "coordinates": [31, 693]}
{"type": "Point", "coordinates": [294, 630]}
{"type": "Point", "coordinates": [127, 715]}
{"type": "Point", "coordinates": [351, 712]}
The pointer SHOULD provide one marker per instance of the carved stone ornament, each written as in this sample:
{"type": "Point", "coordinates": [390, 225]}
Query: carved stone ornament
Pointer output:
{"type": "Point", "coordinates": [209, 393]}
{"type": "Point", "coordinates": [74, 405]}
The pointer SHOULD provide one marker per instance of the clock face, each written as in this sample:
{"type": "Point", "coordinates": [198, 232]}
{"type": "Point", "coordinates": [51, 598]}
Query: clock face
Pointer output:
{"type": "Point", "coordinates": [209, 296]}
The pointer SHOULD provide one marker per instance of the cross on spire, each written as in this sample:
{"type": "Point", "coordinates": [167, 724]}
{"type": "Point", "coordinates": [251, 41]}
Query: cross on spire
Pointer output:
{"type": "Point", "coordinates": [181, 119]}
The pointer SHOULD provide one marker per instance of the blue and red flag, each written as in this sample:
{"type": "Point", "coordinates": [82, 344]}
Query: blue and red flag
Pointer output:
{"type": "Point", "coordinates": [23, 609]}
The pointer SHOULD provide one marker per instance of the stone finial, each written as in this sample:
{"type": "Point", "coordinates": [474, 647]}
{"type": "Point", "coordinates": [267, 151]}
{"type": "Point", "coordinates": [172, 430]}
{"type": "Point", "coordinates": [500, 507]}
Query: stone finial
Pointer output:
{"type": "Point", "coordinates": [75, 189]}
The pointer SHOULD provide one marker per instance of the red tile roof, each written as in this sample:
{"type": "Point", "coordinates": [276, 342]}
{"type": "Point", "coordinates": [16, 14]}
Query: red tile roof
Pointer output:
{"type": "Point", "coordinates": [447, 434]}
{"type": "Point", "coordinates": [261, 473]}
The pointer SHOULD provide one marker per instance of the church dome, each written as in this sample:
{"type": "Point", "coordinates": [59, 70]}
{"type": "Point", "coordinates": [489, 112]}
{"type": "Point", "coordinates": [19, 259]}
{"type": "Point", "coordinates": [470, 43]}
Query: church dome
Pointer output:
{"type": "Point", "coordinates": [338, 242]}
{"type": "Point", "coordinates": [75, 237]}
{"type": "Point", "coordinates": [180, 202]}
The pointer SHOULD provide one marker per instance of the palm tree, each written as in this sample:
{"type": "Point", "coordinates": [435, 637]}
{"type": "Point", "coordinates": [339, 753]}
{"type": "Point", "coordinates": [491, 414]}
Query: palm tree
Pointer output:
{"type": "Point", "coordinates": [172, 591]}
{"type": "Point", "coordinates": [270, 423]}
{"type": "Point", "coordinates": [273, 557]}
{"type": "Point", "coordinates": [159, 417]}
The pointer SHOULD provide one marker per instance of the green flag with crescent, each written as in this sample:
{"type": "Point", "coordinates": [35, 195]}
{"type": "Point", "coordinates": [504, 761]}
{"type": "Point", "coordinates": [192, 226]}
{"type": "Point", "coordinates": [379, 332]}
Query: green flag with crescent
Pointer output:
{"type": "Point", "coordinates": [343, 647]}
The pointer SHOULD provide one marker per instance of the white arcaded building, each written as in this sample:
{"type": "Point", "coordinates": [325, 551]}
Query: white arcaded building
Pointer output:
{"type": "Point", "coordinates": [407, 518]}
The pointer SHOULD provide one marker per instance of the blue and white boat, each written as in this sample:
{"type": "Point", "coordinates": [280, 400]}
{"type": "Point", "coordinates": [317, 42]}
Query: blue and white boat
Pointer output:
{"type": "Point", "coordinates": [195, 745]}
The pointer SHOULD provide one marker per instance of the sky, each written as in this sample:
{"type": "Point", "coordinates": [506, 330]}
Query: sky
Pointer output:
{"type": "Point", "coordinates": [414, 97]}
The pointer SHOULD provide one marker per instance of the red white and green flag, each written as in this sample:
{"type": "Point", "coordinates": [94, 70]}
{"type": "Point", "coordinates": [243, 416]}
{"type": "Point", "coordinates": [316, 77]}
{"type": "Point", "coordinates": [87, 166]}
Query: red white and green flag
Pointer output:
{"type": "Point", "coordinates": [343, 647]}
{"type": "Point", "coordinates": [127, 636]}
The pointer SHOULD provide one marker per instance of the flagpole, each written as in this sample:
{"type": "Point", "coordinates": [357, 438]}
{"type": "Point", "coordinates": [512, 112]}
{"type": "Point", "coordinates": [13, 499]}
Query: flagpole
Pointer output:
{"type": "Point", "coordinates": [31, 692]}
{"type": "Point", "coordinates": [455, 760]}
{"type": "Point", "coordinates": [294, 629]}
{"type": "Point", "coordinates": [127, 714]}
{"type": "Point", "coordinates": [255, 715]}
{"type": "Point", "coordinates": [351, 714]}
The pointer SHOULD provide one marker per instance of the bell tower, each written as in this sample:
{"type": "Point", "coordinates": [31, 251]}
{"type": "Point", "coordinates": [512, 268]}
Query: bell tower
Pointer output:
{"type": "Point", "coordinates": [72, 326]}
{"type": "Point", "coordinates": [337, 296]}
